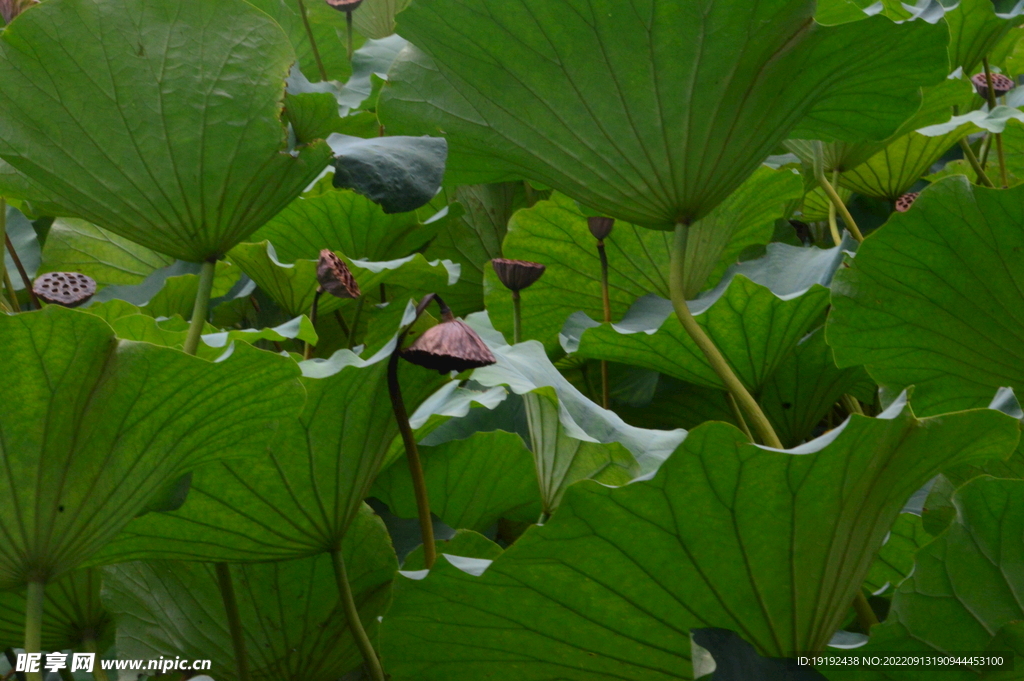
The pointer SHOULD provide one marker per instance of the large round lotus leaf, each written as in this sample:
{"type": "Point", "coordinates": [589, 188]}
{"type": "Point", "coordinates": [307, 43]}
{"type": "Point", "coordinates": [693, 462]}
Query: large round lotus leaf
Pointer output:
{"type": "Point", "coordinates": [649, 111]}
{"type": "Point", "coordinates": [158, 120]}
{"type": "Point", "coordinates": [934, 298]}
{"type": "Point", "coordinates": [100, 427]}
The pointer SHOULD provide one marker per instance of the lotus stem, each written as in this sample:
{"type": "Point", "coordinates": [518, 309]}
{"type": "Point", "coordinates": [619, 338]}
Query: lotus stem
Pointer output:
{"type": "Point", "coordinates": [517, 318]}
{"type": "Point", "coordinates": [227, 595]}
{"type": "Point", "coordinates": [738, 415]}
{"type": "Point", "coordinates": [34, 601]}
{"type": "Point", "coordinates": [677, 288]}
{"type": "Point", "coordinates": [98, 673]}
{"type": "Point", "coordinates": [21, 272]}
{"type": "Point", "coordinates": [348, 42]}
{"type": "Point", "coordinates": [833, 195]}
{"type": "Point", "coordinates": [355, 324]}
{"type": "Point", "coordinates": [991, 93]}
{"type": "Point", "coordinates": [833, 227]}
{"type": "Point", "coordinates": [606, 301]}
{"type": "Point", "coordinates": [973, 160]}
{"type": "Point", "coordinates": [308, 352]}
{"type": "Point", "coordinates": [312, 40]}
{"type": "Point", "coordinates": [852, 405]}
{"type": "Point", "coordinates": [865, 614]}
{"type": "Point", "coordinates": [355, 625]}
{"type": "Point", "coordinates": [10, 290]}
{"type": "Point", "coordinates": [195, 329]}
{"type": "Point", "coordinates": [412, 451]}
{"type": "Point", "coordinates": [3, 233]}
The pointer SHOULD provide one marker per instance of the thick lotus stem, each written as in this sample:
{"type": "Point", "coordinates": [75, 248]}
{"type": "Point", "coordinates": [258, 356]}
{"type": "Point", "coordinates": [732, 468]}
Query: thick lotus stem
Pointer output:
{"type": "Point", "coordinates": [98, 673]}
{"type": "Point", "coordinates": [990, 94]}
{"type": "Point", "coordinates": [833, 195]}
{"type": "Point", "coordinates": [308, 352]}
{"type": "Point", "coordinates": [195, 329]}
{"type": "Point", "coordinates": [355, 625]}
{"type": "Point", "coordinates": [718, 363]}
{"type": "Point", "coordinates": [517, 318]}
{"type": "Point", "coordinates": [34, 601]}
{"type": "Point", "coordinates": [227, 594]}
{"type": "Point", "coordinates": [312, 40]}
{"type": "Point", "coordinates": [865, 614]}
{"type": "Point", "coordinates": [606, 300]}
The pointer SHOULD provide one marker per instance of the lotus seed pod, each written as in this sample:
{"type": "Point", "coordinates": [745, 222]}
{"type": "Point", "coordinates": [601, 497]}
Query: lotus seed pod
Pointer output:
{"type": "Point", "coordinates": [600, 227]}
{"type": "Point", "coordinates": [904, 203]}
{"type": "Point", "coordinates": [345, 5]}
{"type": "Point", "coordinates": [517, 274]}
{"type": "Point", "coordinates": [69, 289]}
{"type": "Point", "coordinates": [1000, 83]}
{"type": "Point", "coordinates": [335, 277]}
{"type": "Point", "coordinates": [450, 345]}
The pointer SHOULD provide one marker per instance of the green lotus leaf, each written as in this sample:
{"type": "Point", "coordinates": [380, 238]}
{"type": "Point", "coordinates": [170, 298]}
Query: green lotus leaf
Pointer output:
{"type": "Point", "coordinates": [299, 328]}
{"type": "Point", "coordinates": [399, 173]}
{"type": "Point", "coordinates": [471, 483]}
{"type": "Point", "coordinates": [975, 29]}
{"type": "Point", "coordinates": [933, 298]}
{"type": "Point", "coordinates": [655, 112]}
{"type": "Point", "coordinates": [75, 475]}
{"type": "Point", "coordinates": [895, 559]}
{"type": "Point", "coordinates": [474, 236]}
{"type": "Point", "coordinates": [301, 499]}
{"type": "Point", "coordinates": [806, 385]}
{"type": "Point", "coordinates": [611, 587]}
{"type": "Point", "coordinates": [815, 205]}
{"type": "Point", "coordinates": [347, 222]}
{"type": "Point", "coordinates": [79, 246]}
{"type": "Point", "coordinates": [199, 163]}
{"type": "Point", "coordinates": [756, 316]}
{"type": "Point", "coordinates": [376, 18]}
{"type": "Point", "coordinates": [733, 659]}
{"type": "Point", "coordinates": [465, 543]}
{"type": "Point", "coordinates": [555, 233]}
{"type": "Point", "coordinates": [295, 628]}
{"type": "Point", "coordinates": [73, 616]}
{"type": "Point", "coordinates": [964, 588]}
{"type": "Point", "coordinates": [293, 285]}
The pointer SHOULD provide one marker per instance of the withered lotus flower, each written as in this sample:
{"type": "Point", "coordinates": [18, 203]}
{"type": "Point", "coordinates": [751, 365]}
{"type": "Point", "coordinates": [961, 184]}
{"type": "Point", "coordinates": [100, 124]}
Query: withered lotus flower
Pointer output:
{"type": "Point", "coordinates": [345, 5]}
{"type": "Point", "coordinates": [904, 203]}
{"type": "Point", "coordinates": [452, 344]}
{"type": "Point", "coordinates": [12, 8]}
{"type": "Point", "coordinates": [600, 227]}
{"type": "Point", "coordinates": [1000, 84]}
{"type": "Point", "coordinates": [517, 274]}
{"type": "Point", "coordinates": [69, 289]}
{"type": "Point", "coordinates": [335, 277]}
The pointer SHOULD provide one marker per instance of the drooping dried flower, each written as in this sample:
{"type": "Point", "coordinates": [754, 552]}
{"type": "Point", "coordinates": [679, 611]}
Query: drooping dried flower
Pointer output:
{"type": "Point", "coordinates": [450, 345]}
{"type": "Point", "coordinates": [69, 289]}
{"type": "Point", "coordinates": [1000, 84]}
{"type": "Point", "coordinates": [12, 8]}
{"type": "Point", "coordinates": [517, 274]}
{"type": "Point", "coordinates": [600, 227]}
{"type": "Point", "coordinates": [345, 5]}
{"type": "Point", "coordinates": [335, 277]}
{"type": "Point", "coordinates": [904, 203]}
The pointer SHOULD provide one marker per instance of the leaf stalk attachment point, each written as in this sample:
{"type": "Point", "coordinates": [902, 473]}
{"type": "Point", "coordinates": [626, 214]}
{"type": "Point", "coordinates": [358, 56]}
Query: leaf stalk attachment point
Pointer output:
{"type": "Point", "coordinates": [735, 387]}
{"type": "Point", "coordinates": [355, 625]}
{"type": "Point", "coordinates": [195, 329]}
{"type": "Point", "coordinates": [227, 594]}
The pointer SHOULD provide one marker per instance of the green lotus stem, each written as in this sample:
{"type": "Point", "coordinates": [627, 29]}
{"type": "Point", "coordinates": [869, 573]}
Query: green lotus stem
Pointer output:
{"type": "Point", "coordinates": [312, 40]}
{"type": "Point", "coordinates": [355, 625]}
{"type": "Point", "coordinates": [21, 272]}
{"type": "Point", "coordinates": [348, 42]}
{"type": "Point", "coordinates": [195, 329]}
{"type": "Point", "coordinates": [34, 601]}
{"type": "Point", "coordinates": [355, 324]}
{"type": "Point", "coordinates": [830, 191]}
{"type": "Point", "coordinates": [227, 595]}
{"type": "Point", "coordinates": [973, 160]}
{"type": "Point", "coordinates": [383, 294]}
{"type": "Point", "coordinates": [341, 323]}
{"type": "Point", "coordinates": [3, 233]}
{"type": "Point", "coordinates": [739, 416]}
{"type": "Point", "coordinates": [517, 318]}
{"type": "Point", "coordinates": [852, 405]}
{"type": "Point", "coordinates": [544, 517]}
{"type": "Point", "coordinates": [677, 288]}
{"type": "Point", "coordinates": [606, 300]}
{"type": "Point", "coordinates": [865, 615]}
{"type": "Point", "coordinates": [308, 352]}
{"type": "Point", "coordinates": [833, 227]}
{"type": "Point", "coordinates": [991, 92]}
{"type": "Point", "coordinates": [98, 673]}
{"type": "Point", "coordinates": [984, 149]}
{"type": "Point", "coordinates": [412, 455]}
{"type": "Point", "coordinates": [10, 290]}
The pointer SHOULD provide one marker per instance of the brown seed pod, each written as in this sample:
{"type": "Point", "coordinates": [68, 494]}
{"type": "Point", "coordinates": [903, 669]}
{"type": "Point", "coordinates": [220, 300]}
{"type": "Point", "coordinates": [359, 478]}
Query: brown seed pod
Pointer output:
{"type": "Point", "coordinates": [451, 345]}
{"type": "Point", "coordinates": [345, 5]}
{"type": "Point", "coordinates": [904, 203]}
{"type": "Point", "coordinates": [1000, 83]}
{"type": "Point", "coordinates": [600, 227]}
{"type": "Point", "coordinates": [69, 289]}
{"type": "Point", "coordinates": [517, 274]}
{"type": "Point", "coordinates": [335, 277]}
